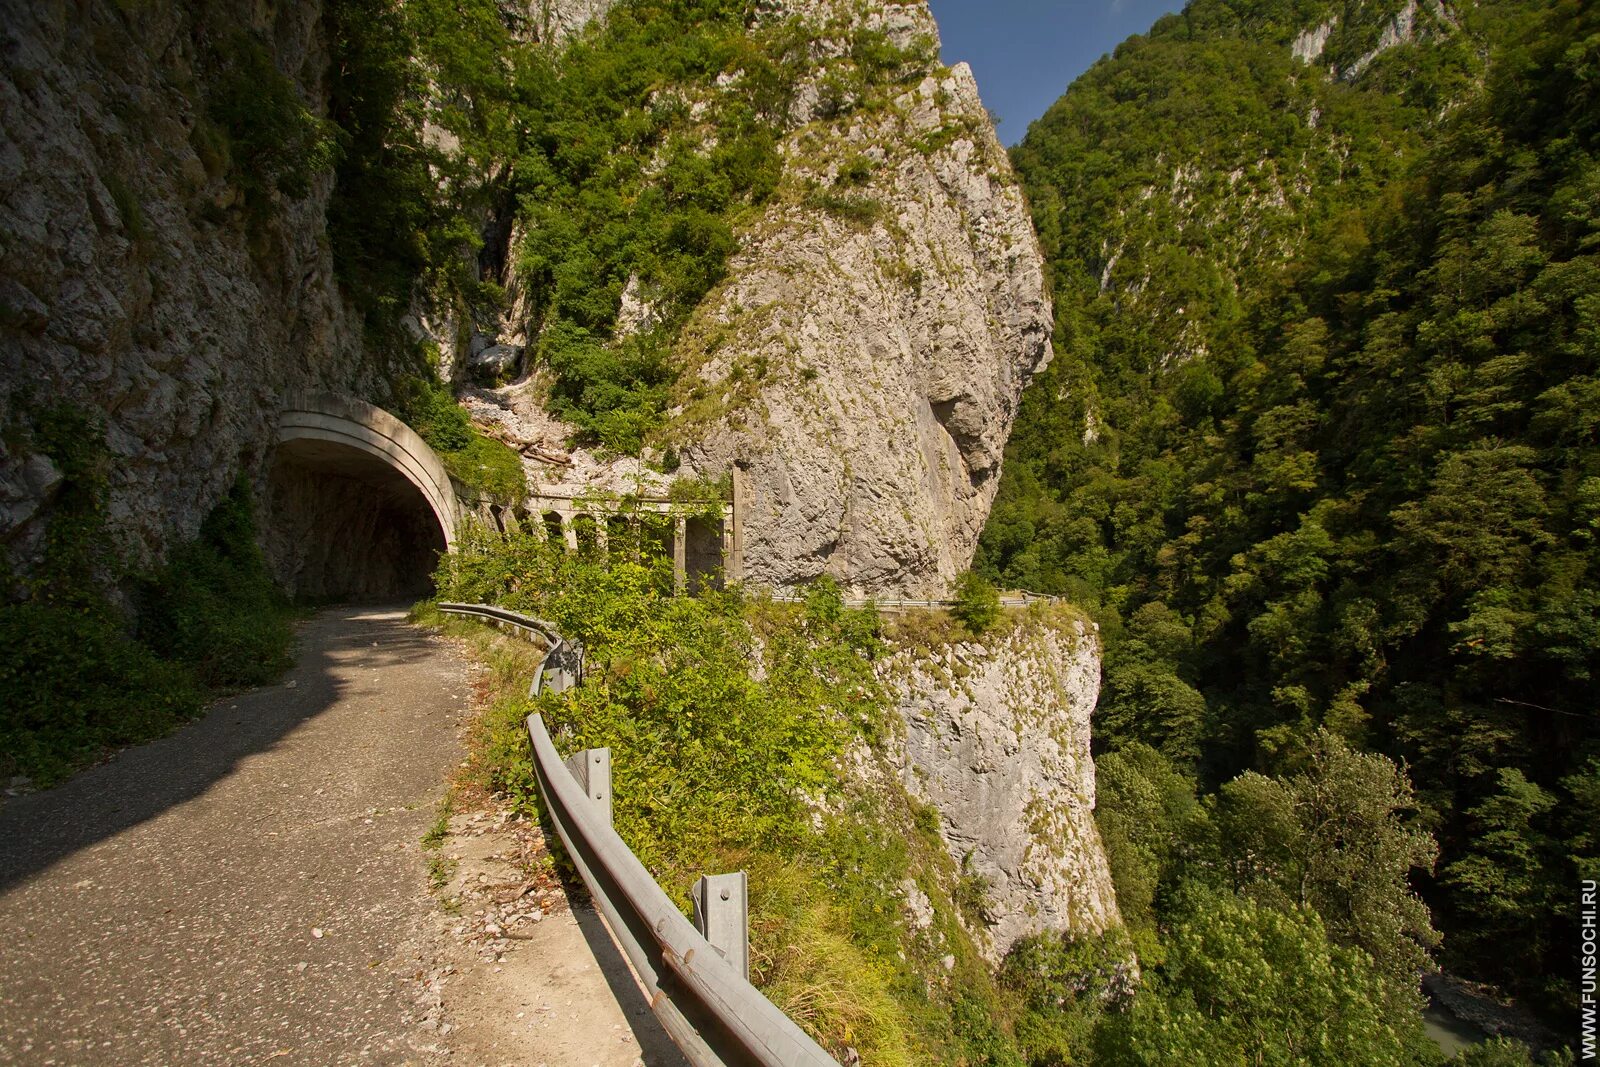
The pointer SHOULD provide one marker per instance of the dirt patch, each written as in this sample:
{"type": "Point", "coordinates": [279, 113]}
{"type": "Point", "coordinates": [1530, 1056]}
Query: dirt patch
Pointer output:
{"type": "Point", "coordinates": [538, 979]}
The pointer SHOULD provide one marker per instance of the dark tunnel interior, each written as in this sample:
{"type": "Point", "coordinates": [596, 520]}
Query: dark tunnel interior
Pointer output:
{"type": "Point", "coordinates": [345, 525]}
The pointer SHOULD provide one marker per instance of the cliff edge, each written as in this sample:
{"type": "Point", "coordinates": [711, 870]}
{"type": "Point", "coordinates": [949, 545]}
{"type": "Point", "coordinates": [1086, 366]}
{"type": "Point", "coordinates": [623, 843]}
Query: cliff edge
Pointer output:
{"type": "Point", "coordinates": [864, 359]}
{"type": "Point", "coordinates": [997, 739]}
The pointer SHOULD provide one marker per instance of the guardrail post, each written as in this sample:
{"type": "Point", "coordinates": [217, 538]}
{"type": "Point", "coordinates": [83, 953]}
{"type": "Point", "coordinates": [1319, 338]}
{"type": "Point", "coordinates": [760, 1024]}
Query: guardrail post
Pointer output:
{"type": "Point", "coordinates": [722, 915]}
{"type": "Point", "coordinates": [592, 769]}
{"type": "Point", "coordinates": [564, 666]}
{"type": "Point", "coordinates": [680, 555]}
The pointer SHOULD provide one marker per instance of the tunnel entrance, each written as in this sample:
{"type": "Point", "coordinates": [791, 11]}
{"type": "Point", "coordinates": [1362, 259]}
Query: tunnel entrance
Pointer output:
{"type": "Point", "coordinates": [345, 524]}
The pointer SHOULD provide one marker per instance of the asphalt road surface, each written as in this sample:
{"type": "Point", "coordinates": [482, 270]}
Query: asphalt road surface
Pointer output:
{"type": "Point", "coordinates": [250, 889]}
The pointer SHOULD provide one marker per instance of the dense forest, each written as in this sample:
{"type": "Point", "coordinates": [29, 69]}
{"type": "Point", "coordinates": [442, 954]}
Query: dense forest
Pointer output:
{"type": "Point", "coordinates": [1319, 451]}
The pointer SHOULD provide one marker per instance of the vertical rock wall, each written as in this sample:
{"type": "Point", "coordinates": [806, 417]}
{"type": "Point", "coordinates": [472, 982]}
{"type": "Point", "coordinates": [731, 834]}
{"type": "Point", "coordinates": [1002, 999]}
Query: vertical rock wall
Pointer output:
{"type": "Point", "coordinates": [890, 307]}
{"type": "Point", "coordinates": [997, 738]}
{"type": "Point", "coordinates": [134, 282]}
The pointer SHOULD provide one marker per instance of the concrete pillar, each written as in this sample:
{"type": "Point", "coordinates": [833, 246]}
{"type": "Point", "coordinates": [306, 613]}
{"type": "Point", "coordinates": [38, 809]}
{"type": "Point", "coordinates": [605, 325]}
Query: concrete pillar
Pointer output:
{"type": "Point", "coordinates": [680, 555]}
{"type": "Point", "coordinates": [733, 531]}
{"type": "Point", "coordinates": [602, 535]}
{"type": "Point", "coordinates": [569, 532]}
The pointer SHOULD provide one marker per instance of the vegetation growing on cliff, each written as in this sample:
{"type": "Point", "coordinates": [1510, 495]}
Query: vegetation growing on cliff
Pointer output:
{"type": "Point", "coordinates": [729, 721]}
{"type": "Point", "coordinates": [1331, 469]}
{"type": "Point", "coordinates": [78, 676]}
{"type": "Point", "coordinates": [482, 465]}
{"type": "Point", "coordinates": [624, 156]}
{"type": "Point", "coordinates": [649, 138]}
{"type": "Point", "coordinates": [270, 142]}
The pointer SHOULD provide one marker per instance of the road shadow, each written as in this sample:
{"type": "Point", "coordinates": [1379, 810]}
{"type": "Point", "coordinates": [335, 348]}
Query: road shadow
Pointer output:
{"type": "Point", "coordinates": [39, 829]}
{"type": "Point", "coordinates": [656, 1048]}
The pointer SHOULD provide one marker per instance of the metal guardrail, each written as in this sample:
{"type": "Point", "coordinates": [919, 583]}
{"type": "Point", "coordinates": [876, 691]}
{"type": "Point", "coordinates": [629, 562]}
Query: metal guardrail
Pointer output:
{"type": "Point", "coordinates": [1022, 599]}
{"type": "Point", "coordinates": [695, 975]}
{"type": "Point", "coordinates": [564, 660]}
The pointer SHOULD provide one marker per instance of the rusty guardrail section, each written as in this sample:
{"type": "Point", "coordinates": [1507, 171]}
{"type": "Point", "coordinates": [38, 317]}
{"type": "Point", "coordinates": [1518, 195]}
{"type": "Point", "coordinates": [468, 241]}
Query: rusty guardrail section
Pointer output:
{"type": "Point", "coordinates": [695, 975]}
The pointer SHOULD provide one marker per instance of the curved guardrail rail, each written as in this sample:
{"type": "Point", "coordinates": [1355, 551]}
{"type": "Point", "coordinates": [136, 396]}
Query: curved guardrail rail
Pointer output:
{"type": "Point", "coordinates": [1021, 600]}
{"type": "Point", "coordinates": [695, 975]}
{"type": "Point", "coordinates": [563, 661]}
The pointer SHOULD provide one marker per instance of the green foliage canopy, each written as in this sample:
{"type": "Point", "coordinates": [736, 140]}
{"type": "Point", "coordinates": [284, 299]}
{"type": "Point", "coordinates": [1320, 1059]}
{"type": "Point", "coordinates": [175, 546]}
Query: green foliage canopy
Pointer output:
{"type": "Point", "coordinates": [1327, 460]}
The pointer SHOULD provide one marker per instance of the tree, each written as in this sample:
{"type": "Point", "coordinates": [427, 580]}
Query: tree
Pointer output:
{"type": "Point", "coordinates": [1335, 838]}
{"type": "Point", "coordinates": [977, 603]}
{"type": "Point", "coordinates": [1146, 698]}
{"type": "Point", "coordinates": [1501, 887]}
{"type": "Point", "coordinates": [1249, 983]}
{"type": "Point", "coordinates": [1146, 811]}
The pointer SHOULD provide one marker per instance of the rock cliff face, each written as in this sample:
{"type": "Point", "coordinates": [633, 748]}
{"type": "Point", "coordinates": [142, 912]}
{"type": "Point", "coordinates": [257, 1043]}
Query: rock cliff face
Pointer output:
{"type": "Point", "coordinates": [557, 20]}
{"type": "Point", "coordinates": [135, 282]}
{"type": "Point", "coordinates": [889, 310]}
{"type": "Point", "coordinates": [997, 738]}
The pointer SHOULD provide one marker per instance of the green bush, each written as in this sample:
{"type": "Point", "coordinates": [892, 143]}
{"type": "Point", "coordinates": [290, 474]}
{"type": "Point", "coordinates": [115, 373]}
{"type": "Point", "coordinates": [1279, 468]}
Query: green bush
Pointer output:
{"type": "Point", "coordinates": [72, 683]}
{"type": "Point", "coordinates": [1066, 986]}
{"type": "Point", "coordinates": [670, 693]}
{"type": "Point", "coordinates": [214, 608]}
{"type": "Point", "coordinates": [857, 170]}
{"type": "Point", "coordinates": [1248, 983]}
{"type": "Point", "coordinates": [78, 675]}
{"type": "Point", "coordinates": [617, 393]}
{"type": "Point", "coordinates": [861, 212]}
{"type": "Point", "coordinates": [489, 467]}
{"type": "Point", "coordinates": [275, 144]}
{"type": "Point", "coordinates": [977, 603]}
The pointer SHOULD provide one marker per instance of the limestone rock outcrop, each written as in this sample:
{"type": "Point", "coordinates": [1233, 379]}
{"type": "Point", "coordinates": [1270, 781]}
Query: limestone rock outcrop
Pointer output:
{"type": "Point", "coordinates": [135, 284]}
{"type": "Point", "coordinates": [553, 20]}
{"type": "Point", "coordinates": [997, 739]}
{"type": "Point", "coordinates": [865, 357]}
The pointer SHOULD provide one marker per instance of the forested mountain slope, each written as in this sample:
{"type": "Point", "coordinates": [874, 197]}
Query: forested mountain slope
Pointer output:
{"type": "Point", "coordinates": [1320, 441]}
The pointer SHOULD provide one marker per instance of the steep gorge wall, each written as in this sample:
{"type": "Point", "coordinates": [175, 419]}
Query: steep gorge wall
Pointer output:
{"type": "Point", "coordinates": [997, 739]}
{"type": "Point", "coordinates": [892, 307]}
{"type": "Point", "coordinates": [862, 356]}
{"type": "Point", "coordinates": [136, 280]}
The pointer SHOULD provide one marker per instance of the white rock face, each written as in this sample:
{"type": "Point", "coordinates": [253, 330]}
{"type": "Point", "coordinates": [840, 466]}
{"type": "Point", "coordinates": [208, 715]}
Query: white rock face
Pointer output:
{"type": "Point", "coordinates": [1310, 43]}
{"type": "Point", "coordinates": [637, 314]}
{"type": "Point", "coordinates": [558, 20]}
{"type": "Point", "coordinates": [132, 284]}
{"type": "Point", "coordinates": [1398, 30]}
{"type": "Point", "coordinates": [997, 738]}
{"type": "Point", "coordinates": [871, 345]}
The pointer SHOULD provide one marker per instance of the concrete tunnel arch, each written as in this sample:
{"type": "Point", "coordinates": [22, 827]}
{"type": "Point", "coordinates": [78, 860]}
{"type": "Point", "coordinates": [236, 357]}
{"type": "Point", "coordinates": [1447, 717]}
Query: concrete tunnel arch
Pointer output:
{"type": "Point", "coordinates": [359, 504]}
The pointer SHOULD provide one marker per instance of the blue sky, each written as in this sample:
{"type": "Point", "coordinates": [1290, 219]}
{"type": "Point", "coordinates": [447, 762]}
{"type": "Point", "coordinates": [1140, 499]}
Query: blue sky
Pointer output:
{"type": "Point", "coordinates": [1025, 53]}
